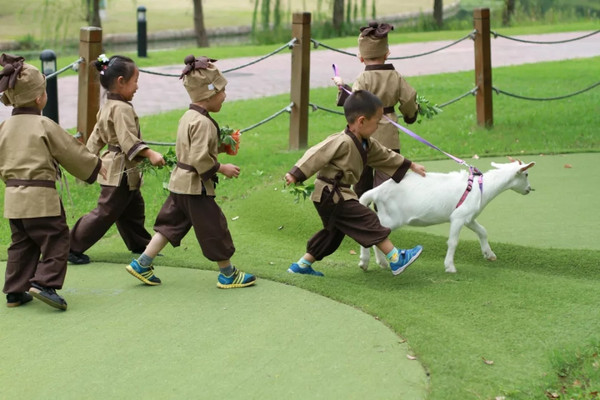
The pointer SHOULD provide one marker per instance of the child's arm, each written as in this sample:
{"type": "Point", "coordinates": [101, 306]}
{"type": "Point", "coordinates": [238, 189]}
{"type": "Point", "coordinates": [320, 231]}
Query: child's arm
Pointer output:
{"type": "Point", "coordinates": [154, 157]}
{"type": "Point", "coordinates": [229, 170]}
{"type": "Point", "coordinates": [289, 179]}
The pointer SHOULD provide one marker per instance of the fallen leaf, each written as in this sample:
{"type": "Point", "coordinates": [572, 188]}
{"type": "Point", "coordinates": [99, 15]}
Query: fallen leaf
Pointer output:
{"type": "Point", "coordinates": [411, 357]}
{"type": "Point", "coordinates": [352, 252]}
{"type": "Point", "coordinates": [488, 362]}
{"type": "Point", "coordinates": [500, 398]}
{"type": "Point", "coordinates": [475, 157]}
{"type": "Point", "coordinates": [552, 395]}
{"type": "Point", "coordinates": [568, 166]}
{"type": "Point", "coordinates": [235, 218]}
{"type": "Point", "coordinates": [271, 263]}
{"type": "Point", "coordinates": [280, 228]}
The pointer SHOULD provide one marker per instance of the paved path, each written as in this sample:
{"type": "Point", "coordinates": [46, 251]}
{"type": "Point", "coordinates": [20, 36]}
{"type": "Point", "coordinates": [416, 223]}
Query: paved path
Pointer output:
{"type": "Point", "coordinates": [272, 76]}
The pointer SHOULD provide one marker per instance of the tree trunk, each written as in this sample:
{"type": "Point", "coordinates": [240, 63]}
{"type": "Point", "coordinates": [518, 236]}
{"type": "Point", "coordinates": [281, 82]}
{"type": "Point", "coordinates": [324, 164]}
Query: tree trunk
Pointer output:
{"type": "Point", "coordinates": [95, 15]}
{"type": "Point", "coordinates": [338, 15]}
{"type": "Point", "coordinates": [509, 10]}
{"type": "Point", "coordinates": [199, 29]}
{"type": "Point", "coordinates": [438, 13]}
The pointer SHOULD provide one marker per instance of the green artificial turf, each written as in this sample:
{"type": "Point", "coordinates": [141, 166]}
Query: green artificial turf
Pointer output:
{"type": "Point", "coordinates": [187, 339]}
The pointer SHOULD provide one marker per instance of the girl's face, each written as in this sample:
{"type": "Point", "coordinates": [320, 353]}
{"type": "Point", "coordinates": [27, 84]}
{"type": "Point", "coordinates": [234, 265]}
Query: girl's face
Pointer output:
{"type": "Point", "coordinates": [214, 103]}
{"type": "Point", "coordinates": [127, 88]}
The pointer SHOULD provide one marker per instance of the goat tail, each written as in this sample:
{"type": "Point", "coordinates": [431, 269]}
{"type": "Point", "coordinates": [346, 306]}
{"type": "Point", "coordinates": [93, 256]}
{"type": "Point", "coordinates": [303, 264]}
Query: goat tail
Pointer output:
{"type": "Point", "coordinates": [367, 198]}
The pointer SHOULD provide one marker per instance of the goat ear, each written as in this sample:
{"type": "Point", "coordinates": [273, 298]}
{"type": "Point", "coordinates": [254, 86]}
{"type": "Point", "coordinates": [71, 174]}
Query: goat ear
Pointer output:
{"type": "Point", "coordinates": [527, 166]}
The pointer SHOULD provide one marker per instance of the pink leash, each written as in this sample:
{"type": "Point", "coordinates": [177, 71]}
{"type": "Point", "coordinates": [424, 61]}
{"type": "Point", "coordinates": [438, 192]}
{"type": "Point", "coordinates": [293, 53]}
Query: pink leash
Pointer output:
{"type": "Point", "coordinates": [472, 170]}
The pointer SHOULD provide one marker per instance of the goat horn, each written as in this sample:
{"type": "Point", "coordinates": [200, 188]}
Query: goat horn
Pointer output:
{"type": "Point", "coordinates": [511, 159]}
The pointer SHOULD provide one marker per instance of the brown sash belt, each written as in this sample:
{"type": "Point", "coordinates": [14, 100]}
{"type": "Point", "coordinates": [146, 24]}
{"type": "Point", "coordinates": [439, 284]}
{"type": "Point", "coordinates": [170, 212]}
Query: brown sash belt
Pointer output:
{"type": "Point", "coordinates": [30, 182]}
{"type": "Point", "coordinates": [187, 167]}
{"type": "Point", "coordinates": [388, 110]}
{"type": "Point", "coordinates": [115, 149]}
{"type": "Point", "coordinates": [334, 190]}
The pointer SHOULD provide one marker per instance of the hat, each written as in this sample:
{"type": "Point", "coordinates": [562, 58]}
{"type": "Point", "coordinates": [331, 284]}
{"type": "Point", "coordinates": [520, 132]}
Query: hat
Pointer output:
{"type": "Point", "coordinates": [21, 83]}
{"type": "Point", "coordinates": [201, 78]}
{"type": "Point", "coordinates": [373, 40]}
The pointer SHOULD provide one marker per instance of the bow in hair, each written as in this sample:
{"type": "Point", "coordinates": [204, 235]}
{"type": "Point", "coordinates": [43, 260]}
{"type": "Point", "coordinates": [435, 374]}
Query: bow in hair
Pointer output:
{"type": "Point", "coordinates": [376, 30]}
{"type": "Point", "coordinates": [192, 63]}
{"type": "Point", "coordinates": [9, 74]}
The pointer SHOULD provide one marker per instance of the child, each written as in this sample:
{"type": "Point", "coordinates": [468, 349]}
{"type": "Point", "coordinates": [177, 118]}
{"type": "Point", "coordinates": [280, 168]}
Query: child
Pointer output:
{"type": "Point", "coordinates": [386, 83]}
{"type": "Point", "coordinates": [31, 148]}
{"type": "Point", "coordinates": [120, 199]}
{"type": "Point", "coordinates": [338, 162]}
{"type": "Point", "coordinates": [191, 202]}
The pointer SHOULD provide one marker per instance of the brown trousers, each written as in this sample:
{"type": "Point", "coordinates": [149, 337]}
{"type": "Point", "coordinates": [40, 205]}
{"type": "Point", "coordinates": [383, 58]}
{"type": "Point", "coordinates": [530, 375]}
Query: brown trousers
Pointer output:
{"type": "Point", "coordinates": [369, 179]}
{"type": "Point", "coordinates": [181, 212]}
{"type": "Point", "coordinates": [31, 238]}
{"type": "Point", "coordinates": [116, 205]}
{"type": "Point", "coordinates": [344, 218]}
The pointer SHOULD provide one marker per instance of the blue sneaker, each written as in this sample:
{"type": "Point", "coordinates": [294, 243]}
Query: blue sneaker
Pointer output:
{"type": "Point", "coordinates": [238, 279]}
{"type": "Point", "coordinates": [144, 274]}
{"type": "Point", "coordinates": [296, 269]}
{"type": "Point", "coordinates": [406, 258]}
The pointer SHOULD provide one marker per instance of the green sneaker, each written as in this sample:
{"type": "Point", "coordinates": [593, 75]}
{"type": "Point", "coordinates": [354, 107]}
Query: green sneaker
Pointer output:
{"type": "Point", "coordinates": [144, 274]}
{"type": "Point", "coordinates": [238, 279]}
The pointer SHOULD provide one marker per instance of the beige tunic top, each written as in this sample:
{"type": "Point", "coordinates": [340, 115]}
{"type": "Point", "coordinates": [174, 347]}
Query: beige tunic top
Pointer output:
{"type": "Point", "coordinates": [196, 147]}
{"type": "Point", "coordinates": [391, 88]}
{"type": "Point", "coordinates": [341, 157]}
{"type": "Point", "coordinates": [31, 147]}
{"type": "Point", "coordinates": [119, 128]}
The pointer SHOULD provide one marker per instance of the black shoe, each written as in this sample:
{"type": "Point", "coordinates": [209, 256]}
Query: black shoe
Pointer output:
{"type": "Point", "coordinates": [17, 299]}
{"type": "Point", "coordinates": [48, 296]}
{"type": "Point", "coordinates": [78, 258]}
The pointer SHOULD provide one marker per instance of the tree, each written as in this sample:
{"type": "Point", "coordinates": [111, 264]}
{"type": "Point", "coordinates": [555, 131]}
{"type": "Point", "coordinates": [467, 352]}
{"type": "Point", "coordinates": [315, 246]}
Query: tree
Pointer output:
{"type": "Point", "coordinates": [199, 29]}
{"type": "Point", "coordinates": [338, 16]}
{"type": "Point", "coordinates": [507, 13]}
{"type": "Point", "coordinates": [438, 13]}
{"type": "Point", "coordinates": [93, 13]}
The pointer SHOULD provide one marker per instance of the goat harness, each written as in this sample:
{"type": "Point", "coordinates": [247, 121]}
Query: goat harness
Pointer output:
{"type": "Point", "coordinates": [472, 173]}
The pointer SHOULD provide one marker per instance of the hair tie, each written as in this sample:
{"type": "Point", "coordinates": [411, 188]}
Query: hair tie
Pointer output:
{"type": "Point", "coordinates": [192, 63]}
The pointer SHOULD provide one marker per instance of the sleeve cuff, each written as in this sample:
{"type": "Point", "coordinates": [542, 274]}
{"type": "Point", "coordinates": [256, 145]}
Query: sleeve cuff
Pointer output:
{"type": "Point", "coordinates": [298, 174]}
{"type": "Point", "coordinates": [94, 174]}
{"type": "Point", "coordinates": [401, 171]}
{"type": "Point", "coordinates": [135, 149]}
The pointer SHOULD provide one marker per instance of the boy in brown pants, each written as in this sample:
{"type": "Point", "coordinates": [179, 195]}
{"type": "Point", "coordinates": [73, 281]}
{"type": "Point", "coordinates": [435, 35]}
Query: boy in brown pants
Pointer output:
{"type": "Point", "coordinates": [338, 162]}
{"type": "Point", "coordinates": [31, 149]}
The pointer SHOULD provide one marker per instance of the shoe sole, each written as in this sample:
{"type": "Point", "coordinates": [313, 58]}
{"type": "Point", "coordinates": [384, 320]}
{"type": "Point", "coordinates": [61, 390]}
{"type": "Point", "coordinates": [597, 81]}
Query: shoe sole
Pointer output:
{"type": "Point", "coordinates": [291, 271]}
{"type": "Point", "coordinates": [235, 285]}
{"type": "Point", "coordinates": [37, 294]}
{"type": "Point", "coordinates": [412, 260]}
{"type": "Point", "coordinates": [140, 277]}
{"type": "Point", "coordinates": [19, 303]}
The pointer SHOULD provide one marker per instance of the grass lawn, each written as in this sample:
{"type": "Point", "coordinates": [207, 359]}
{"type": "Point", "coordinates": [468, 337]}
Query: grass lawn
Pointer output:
{"type": "Point", "coordinates": [519, 327]}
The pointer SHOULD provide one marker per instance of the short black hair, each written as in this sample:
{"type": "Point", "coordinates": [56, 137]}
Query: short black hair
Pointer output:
{"type": "Point", "coordinates": [111, 69]}
{"type": "Point", "coordinates": [360, 103]}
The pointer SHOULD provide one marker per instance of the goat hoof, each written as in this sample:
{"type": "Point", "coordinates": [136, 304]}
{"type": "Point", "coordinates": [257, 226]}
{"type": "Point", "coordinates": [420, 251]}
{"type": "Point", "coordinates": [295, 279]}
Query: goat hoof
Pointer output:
{"type": "Point", "coordinates": [451, 270]}
{"type": "Point", "coordinates": [491, 257]}
{"type": "Point", "coordinates": [363, 266]}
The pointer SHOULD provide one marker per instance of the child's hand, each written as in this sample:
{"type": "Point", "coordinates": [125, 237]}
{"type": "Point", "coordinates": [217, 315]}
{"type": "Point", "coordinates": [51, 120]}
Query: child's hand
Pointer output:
{"type": "Point", "coordinates": [418, 168]}
{"type": "Point", "coordinates": [289, 179]}
{"type": "Point", "coordinates": [156, 158]}
{"type": "Point", "coordinates": [103, 171]}
{"type": "Point", "coordinates": [229, 170]}
{"type": "Point", "coordinates": [338, 81]}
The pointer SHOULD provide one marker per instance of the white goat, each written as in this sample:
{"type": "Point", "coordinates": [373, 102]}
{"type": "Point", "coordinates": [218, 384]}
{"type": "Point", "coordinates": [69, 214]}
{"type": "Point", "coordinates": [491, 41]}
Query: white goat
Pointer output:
{"type": "Point", "coordinates": [431, 200]}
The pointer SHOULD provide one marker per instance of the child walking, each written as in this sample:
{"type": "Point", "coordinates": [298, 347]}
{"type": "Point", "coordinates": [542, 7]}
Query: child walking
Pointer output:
{"type": "Point", "coordinates": [118, 129]}
{"type": "Point", "coordinates": [31, 149]}
{"type": "Point", "coordinates": [191, 201]}
{"type": "Point", "coordinates": [338, 162]}
{"type": "Point", "coordinates": [385, 82]}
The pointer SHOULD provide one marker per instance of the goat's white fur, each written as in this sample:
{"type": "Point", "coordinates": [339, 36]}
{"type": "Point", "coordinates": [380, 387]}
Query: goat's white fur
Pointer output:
{"type": "Point", "coordinates": [431, 200]}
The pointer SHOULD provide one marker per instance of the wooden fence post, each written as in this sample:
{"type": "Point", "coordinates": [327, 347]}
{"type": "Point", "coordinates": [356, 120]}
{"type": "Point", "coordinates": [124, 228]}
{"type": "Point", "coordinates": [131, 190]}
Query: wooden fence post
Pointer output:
{"type": "Point", "coordinates": [88, 100]}
{"type": "Point", "coordinates": [300, 82]}
{"type": "Point", "coordinates": [483, 67]}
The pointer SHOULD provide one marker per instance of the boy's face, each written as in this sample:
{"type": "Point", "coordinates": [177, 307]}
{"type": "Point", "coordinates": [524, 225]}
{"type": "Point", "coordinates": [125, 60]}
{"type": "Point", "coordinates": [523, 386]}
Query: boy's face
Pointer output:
{"type": "Point", "coordinates": [215, 102]}
{"type": "Point", "coordinates": [41, 101]}
{"type": "Point", "coordinates": [128, 88]}
{"type": "Point", "coordinates": [368, 126]}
